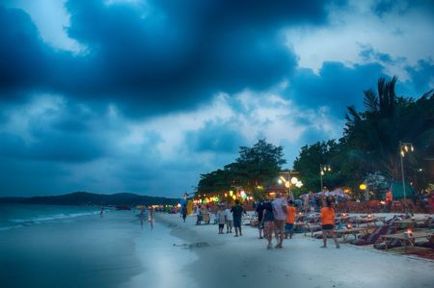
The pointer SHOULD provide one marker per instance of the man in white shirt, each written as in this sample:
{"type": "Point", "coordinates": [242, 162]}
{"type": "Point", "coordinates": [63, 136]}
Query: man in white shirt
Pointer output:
{"type": "Point", "coordinates": [280, 207]}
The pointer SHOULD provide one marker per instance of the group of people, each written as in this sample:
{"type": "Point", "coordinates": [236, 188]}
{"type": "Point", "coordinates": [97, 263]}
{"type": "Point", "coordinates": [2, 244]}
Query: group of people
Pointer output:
{"type": "Point", "coordinates": [276, 217]}
{"type": "Point", "coordinates": [231, 217]}
{"type": "Point", "coordinates": [272, 216]}
{"type": "Point", "coordinates": [279, 216]}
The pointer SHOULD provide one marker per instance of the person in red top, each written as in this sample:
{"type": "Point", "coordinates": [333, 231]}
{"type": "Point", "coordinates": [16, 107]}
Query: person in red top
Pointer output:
{"type": "Point", "coordinates": [290, 220]}
{"type": "Point", "coordinates": [328, 222]}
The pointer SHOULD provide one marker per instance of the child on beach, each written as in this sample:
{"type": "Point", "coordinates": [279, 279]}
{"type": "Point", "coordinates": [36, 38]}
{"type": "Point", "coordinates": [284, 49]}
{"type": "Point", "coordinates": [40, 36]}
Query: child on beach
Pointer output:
{"type": "Point", "coordinates": [290, 220]}
{"type": "Point", "coordinates": [221, 219]}
{"type": "Point", "coordinates": [328, 222]}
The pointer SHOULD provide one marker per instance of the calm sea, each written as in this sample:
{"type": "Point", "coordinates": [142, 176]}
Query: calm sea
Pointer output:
{"type": "Point", "coordinates": [13, 216]}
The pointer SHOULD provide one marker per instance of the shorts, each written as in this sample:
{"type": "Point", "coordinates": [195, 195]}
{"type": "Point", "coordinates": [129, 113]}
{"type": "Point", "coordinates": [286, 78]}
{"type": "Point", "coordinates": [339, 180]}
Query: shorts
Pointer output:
{"type": "Point", "coordinates": [289, 227]}
{"type": "Point", "coordinates": [237, 223]}
{"type": "Point", "coordinates": [279, 225]}
{"type": "Point", "coordinates": [229, 223]}
{"type": "Point", "coordinates": [221, 226]}
{"type": "Point", "coordinates": [328, 227]}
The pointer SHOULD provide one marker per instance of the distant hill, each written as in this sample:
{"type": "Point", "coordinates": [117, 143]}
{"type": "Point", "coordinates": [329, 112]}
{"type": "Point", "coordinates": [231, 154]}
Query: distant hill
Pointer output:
{"type": "Point", "coordinates": [86, 198]}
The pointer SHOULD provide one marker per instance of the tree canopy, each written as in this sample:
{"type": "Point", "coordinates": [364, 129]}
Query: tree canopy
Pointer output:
{"type": "Point", "coordinates": [256, 166]}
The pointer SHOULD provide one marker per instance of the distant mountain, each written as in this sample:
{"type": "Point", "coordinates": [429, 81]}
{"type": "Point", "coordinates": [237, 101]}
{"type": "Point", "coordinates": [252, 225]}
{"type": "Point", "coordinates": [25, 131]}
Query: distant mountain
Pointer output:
{"type": "Point", "coordinates": [86, 198]}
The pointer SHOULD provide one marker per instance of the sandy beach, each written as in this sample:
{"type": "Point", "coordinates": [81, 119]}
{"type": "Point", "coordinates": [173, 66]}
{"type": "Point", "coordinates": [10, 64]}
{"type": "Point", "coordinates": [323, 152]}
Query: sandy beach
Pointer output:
{"type": "Point", "coordinates": [115, 251]}
{"type": "Point", "coordinates": [226, 261]}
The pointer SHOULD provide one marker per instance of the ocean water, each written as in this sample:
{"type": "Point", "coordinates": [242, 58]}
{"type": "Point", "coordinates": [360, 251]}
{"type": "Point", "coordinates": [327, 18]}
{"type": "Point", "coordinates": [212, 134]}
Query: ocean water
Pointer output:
{"type": "Point", "coordinates": [68, 246]}
{"type": "Point", "coordinates": [13, 216]}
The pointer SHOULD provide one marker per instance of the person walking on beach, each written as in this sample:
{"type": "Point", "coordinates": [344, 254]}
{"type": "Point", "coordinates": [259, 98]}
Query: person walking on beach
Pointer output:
{"type": "Point", "coordinates": [268, 223]}
{"type": "Point", "coordinates": [229, 220]}
{"type": "Point", "coordinates": [328, 222]}
{"type": "Point", "coordinates": [221, 219]}
{"type": "Point", "coordinates": [290, 220]}
{"type": "Point", "coordinates": [260, 213]}
{"type": "Point", "coordinates": [237, 213]}
{"type": "Point", "coordinates": [279, 210]}
{"type": "Point", "coordinates": [151, 217]}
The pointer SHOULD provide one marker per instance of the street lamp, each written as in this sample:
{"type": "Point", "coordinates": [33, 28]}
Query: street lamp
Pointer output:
{"type": "Point", "coordinates": [322, 170]}
{"type": "Point", "coordinates": [404, 148]}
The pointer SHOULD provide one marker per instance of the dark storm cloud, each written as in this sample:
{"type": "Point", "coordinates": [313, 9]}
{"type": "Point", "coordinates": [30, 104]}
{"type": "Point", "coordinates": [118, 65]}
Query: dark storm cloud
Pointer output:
{"type": "Point", "coordinates": [160, 55]}
{"type": "Point", "coordinates": [382, 7]}
{"type": "Point", "coordinates": [335, 86]}
{"type": "Point", "coordinates": [215, 138]}
{"type": "Point", "coordinates": [23, 56]}
{"type": "Point", "coordinates": [422, 77]}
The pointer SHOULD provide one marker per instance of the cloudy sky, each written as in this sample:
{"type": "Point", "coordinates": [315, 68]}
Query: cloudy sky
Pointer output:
{"type": "Point", "coordinates": [142, 96]}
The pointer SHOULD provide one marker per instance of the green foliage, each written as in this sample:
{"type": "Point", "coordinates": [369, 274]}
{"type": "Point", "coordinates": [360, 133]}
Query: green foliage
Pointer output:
{"type": "Point", "coordinates": [255, 166]}
{"type": "Point", "coordinates": [371, 140]}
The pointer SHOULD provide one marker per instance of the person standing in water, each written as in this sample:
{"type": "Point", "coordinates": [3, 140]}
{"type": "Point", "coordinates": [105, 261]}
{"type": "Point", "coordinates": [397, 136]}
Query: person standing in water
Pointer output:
{"type": "Point", "coordinates": [328, 222]}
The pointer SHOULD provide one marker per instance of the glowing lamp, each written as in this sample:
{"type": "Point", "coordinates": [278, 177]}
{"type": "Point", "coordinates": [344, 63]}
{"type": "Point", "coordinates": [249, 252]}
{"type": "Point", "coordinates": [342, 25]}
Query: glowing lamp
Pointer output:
{"type": "Point", "coordinates": [294, 180]}
{"type": "Point", "coordinates": [234, 197]}
{"type": "Point", "coordinates": [363, 186]}
{"type": "Point", "coordinates": [231, 193]}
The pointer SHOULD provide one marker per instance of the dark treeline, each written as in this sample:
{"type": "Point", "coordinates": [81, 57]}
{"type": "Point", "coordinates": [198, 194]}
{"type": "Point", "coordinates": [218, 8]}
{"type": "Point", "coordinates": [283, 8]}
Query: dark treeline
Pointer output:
{"type": "Point", "coordinates": [85, 198]}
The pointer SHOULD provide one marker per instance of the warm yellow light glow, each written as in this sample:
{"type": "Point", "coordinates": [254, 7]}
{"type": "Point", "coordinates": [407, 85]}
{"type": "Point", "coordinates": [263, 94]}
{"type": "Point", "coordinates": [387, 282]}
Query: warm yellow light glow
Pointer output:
{"type": "Point", "coordinates": [231, 193]}
{"type": "Point", "coordinates": [363, 186]}
{"type": "Point", "coordinates": [294, 180]}
{"type": "Point", "coordinates": [234, 197]}
{"type": "Point", "coordinates": [406, 148]}
{"type": "Point", "coordinates": [322, 172]}
{"type": "Point", "coordinates": [402, 153]}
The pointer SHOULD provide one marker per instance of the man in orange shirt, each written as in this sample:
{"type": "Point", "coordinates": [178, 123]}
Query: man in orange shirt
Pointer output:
{"type": "Point", "coordinates": [290, 220]}
{"type": "Point", "coordinates": [328, 222]}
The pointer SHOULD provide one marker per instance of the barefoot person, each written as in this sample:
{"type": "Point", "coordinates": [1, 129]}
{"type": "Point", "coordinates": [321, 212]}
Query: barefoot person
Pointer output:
{"type": "Point", "coordinates": [328, 222]}
{"type": "Point", "coordinates": [290, 220]}
{"type": "Point", "coordinates": [260, 214]}
{"type": "Point", "coordinates": [221, 219]}
{"type": "Point", "coordinates": [268, 223]}
{"type": "Point", "coordinates": [229, 220]}
{"type": "Point", "coordinates": [279, 211]}
{"type": "Point", "coordinates": [237, 213]}
{"type": "Point", "coordinates": [151, 217]}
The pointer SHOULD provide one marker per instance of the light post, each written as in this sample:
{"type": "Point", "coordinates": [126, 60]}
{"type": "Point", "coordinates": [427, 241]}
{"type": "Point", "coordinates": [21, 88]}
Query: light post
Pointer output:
{"type": "Point", "coordinates": [404, 148]}
{"type": "Point", "coordinates": [293, 181]}
{"type": "Point", "coordinates": [322, 170]}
